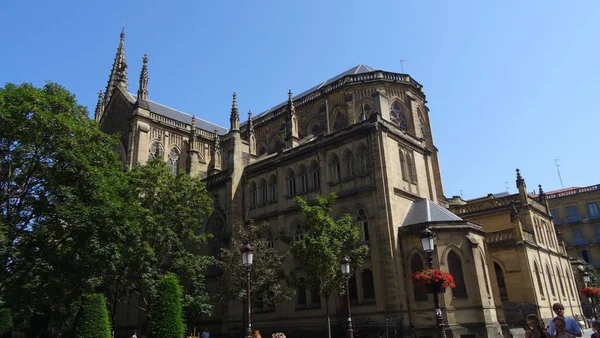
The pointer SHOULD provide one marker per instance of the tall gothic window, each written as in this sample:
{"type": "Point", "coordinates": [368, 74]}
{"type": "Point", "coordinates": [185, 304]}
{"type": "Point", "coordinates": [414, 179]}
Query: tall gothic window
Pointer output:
{"type": "Point", "coordinates": [570, 279]}
{"type": "Point", "coordinates": [368, 285]}
{"type": "Point", "coordinates": [334, 169]}
{"type": "Point", "coordinates": [262, 190]}
{"type": "Point", "coordinates": [270, 242]}
{"type": "Point", "coordinates": [155, 150]}
{"type": "Point", "coordinates": [340, 120]}
{"type": "Point", "coordinates": [348, 164]}
{"type": "Point", "coordinates": [298, 235]}
{"type": "Point", "coordinates": [316, 176]}
{"type": "Point", "coordinates": [273, 188]}
{"type": "Point", "coordinates": [422, 125]}
{"type": "Point", "coordinates": [353, 288]}
{"type": "Point", "coordinates": [291, 183]}
{"type": "Point", "coordinates": [549, 273]}
{"type": "Point", "coordinates": [416, 264]}
{"type": "Point", "coordinates": [539, 279]}
{"type": "Point", "coordinates": [485, 273]}
{"type": "Point", "coordinates": [403, 166]}
{"type": "Point", "coordinates": [220, 238]}
{"type": "Point", "coordinates": [398, 117]}
{"type": "Point", "coordinates": [361, 155]}
{"type": "Point", "coordinates": [366, 111]}
{"type": "Point", "coordinates": [173, 161]}
{"type": "Point", "coordinates": [410, 167]}
{"type": "Point", "coordinates": [303, 179]}
{"type": "Point", "coordinates": [455, 267]}
{"type": "Point", "coordinates": [253, 195]}
{"type": "Point", "coordinates": [277, 144]}
{"type": "Point", "coordinates": [363, 222]}
{"type": "Point", "coordinates": [560, 280]}
{"type": "Point", "coordinates": [501, 282]}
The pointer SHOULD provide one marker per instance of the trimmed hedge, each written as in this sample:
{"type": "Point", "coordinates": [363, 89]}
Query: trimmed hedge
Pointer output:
{"type": "Point", "coordinates": [6, 323]}
{"type": "Point", "coordinates": [92, 318]}
{"type": "Point", "coordinates": [166, 313]}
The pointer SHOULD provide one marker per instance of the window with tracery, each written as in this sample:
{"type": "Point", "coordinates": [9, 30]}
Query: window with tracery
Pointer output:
{"type": "Point", "coordinates": [273, 188]}
{"type": "Point", "coordinates": [298, 235]}
{"type": "Point", "coordinates": [362, 220]}
{"type": "Point", "coordinates": [277, 145]}
{"type": "Point", "coordinates": [398, 117]}
{"type": "Point", "coordinates": [348, 164]}
{"type": "Point", "coordinates": [340, 120]}
{"type": "Point", "coordinates": [501, 282]}
{"type": "Point", "coordinates": [173, 161]}
{"type": "Point", "coordinates": [316, 176]}
{"type": "Point", "coordinates": [455, 269]}
{"type": "Point", "coordinates": [334, 169]}
{"type": "Point", "coordinates": [291, 183]}
{"type": "Point", "coordinates": [539, 279]}
{"type": "Point", "coordinates": [549, 273]}
{"type": "Point", "coordinates": [366, 111]}
{"type": "Point", "coordinates": [155, 150]}
{"type": "Point", "coordinates": [361, 156]}
{"type": "Point", "coordinates": [303, 179]}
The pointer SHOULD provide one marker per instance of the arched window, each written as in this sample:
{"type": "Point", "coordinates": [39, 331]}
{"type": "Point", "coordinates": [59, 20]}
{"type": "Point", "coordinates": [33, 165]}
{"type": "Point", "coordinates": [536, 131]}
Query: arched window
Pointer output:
{"type": "Point", "coordinates": [276, 145]}
{"type": "Point", "coordinates": [253, 197]}
{"type": "Point", "coordinates": [549, 273]}
{"type": "Point", "coordinates": [416, 265]}
{"type": "Point", "coordinates": [291, 183]}
{"type": "Point", "coordinates": [173, 160]}
{"type": "Point", "coordinates": [262, 190]}
{"type": "Point", "coordinates": [501, 282]}
{"type": "Point", "coordinates": [455, 267]}
{"type": "Point", "coordinates": [334, 169]}
{"type": "Point", "coordinates": [315, 175]}
{"type": "Point", "coordinates": [485, 273]}
{"type": "Point", "coordinates": [270, 242]}
{"type": "Point", "coordinates": [262, 150]}
{"type": "Point", "coordinates": [303, 179]}
{"type": "Point", "coordinates": [362, 220]}
{"type": "Point", "coordinates": [361, 156]}
{"type": "Point", "coordinates": [410, 167]}
{"type": "Point", "coordinates": [368, 285]}
{"type": "Point", "coordinates": [298, 235]}
{"type": "Point", "coordinates": [220, 238]}
{"type": "Point", "coordinates": [422, 124]}
{"type": "Point", "coordinates": [398, 117]}
{"type": "Point", "coordinates": [569, 277]}
{"type": "Point", "coordinates": [367, 109]}
{"type": "Point", "coordinates": [273, 188]}
{"type": "Point", "coordinates": [301, 294]}
{"type": "Point", "coordinates": [352, 288]}
{"type": "Point", "coordinates": [348, 164]}
{"type": "Point", "coordinates": [403, 166]}
{"type": "Point", "coordinates": [560, 280]}
{"type": "Point", "coordinates": [539, 279]}
{"type": "Point", "coordinates": [155, 150]}
{"type": "Point", "coordinates": [339, 120]}
{"type": "Point", "coordinates": [314, 128]}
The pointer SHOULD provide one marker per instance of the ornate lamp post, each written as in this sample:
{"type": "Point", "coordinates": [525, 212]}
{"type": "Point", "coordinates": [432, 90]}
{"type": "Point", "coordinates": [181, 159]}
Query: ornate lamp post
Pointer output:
{"type": "Point", "coordinates": [247, 256]}
{"type": "Point", "coordinates": [428, 244]}
{"type": "Point", "coordinates": [587, 280]}
{"type": "Point", "coordinates": [345, 265]}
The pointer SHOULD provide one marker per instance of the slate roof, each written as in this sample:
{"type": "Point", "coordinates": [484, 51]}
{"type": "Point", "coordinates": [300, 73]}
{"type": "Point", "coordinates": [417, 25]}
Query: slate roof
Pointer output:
{"type": "Point", "coordinates": [181, 116]}
{"type": "Point", "coordinates": [424, 210]}
{"type": "Point", "coordinates": [498, 195]}
{"type": "Point", "coordinates": [359, 69]}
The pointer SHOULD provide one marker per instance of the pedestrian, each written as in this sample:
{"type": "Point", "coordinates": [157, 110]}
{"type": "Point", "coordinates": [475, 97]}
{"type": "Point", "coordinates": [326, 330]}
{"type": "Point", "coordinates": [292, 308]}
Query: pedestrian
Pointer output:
{"type": "Point", "coordinates": [256, 334]}
{"type": "Point", "coordinates": [560, 325]}
{"type": "Point", "coordinates": [571, 326]}
{"type": "Point", "coordinates": [537, 328]}
{"type": "Point", "coordinates": [205, 333]}
{"type": "Point", "coordinates": [596, 328]}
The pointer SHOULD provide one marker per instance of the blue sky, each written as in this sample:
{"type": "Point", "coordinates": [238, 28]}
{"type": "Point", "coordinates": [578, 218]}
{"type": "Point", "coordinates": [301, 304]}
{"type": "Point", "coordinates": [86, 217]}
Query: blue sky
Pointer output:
{"type": "Point", "coordinates": [510, 83]}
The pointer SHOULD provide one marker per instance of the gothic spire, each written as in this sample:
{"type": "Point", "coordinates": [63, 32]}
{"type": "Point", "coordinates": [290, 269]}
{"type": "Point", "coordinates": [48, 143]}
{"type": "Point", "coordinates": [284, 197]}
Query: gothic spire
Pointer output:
{"type": "Point", "coordinates": [142, 93]}
{"type": "Point", "coordinates": [520, 181]}
{"type": "Point", "coordinates": [250, 122]}
{"type": "Point", "coordinates": [118, 73]}
{"type": "Point", "coordinates": [541, 194]}
{"type": "Point", "coordinates": [234, 119]}
{"type": "Point", "coordinates": [291, 108]}
{"type": "Point", "coordinates": [99, 106]}
{"type": "Point", "coordinates": [217, 140]}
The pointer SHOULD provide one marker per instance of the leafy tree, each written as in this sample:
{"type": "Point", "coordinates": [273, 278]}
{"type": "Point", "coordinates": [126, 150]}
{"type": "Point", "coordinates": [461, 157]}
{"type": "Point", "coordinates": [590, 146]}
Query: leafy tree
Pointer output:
{"type": "Point", "coordinates": [324, 241]}
{"type": "Point", "coordinates": [92, 319]}
{"type": "Point", "coordinates": [61, 204]}
{"type": "Point", "coordinates": [6, 323]}
{"type": "Point", "coordinates": [166, 316]}
{"type": "Point", "coordinates": [267, 274]}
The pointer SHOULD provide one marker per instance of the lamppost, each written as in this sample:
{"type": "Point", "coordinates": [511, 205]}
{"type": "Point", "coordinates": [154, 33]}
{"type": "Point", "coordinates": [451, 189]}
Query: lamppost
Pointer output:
{"type": "Point", "coordinates": [428, 244]}
{"type": "Point", "coordinates": [247, 256]}
{"type": "Point", "coordinates": [345, 265]}
{"type": "Point", "coordinates": [592, 300]}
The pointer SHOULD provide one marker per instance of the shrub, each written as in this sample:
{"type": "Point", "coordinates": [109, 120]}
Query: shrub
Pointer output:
{"type": "Point", "coordinates": [166, 313]}
{"type": "Point", "coordinates": [6, 323]}
{"type": "Point", "coordinates": [92, 318]}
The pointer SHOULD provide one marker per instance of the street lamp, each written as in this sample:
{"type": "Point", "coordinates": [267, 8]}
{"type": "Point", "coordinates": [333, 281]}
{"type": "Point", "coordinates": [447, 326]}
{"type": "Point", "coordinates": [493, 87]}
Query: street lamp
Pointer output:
{"type": "Point", "coordinates": [586, 278]}
{"type": "Point", "coordinates": [247, 257]}
{"type": "Point", "coordinates": [428, 244]}
{"type": "Point", "coordinates": [345, 266]}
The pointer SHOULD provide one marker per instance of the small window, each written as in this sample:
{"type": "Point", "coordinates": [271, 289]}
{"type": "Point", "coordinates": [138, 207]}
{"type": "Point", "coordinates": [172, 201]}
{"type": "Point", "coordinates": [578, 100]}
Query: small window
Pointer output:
{"type": "Point", "coordinates": [571, 211]}
{"type": "Point", "coordinates": [316, 176]}
{"type": "Point", "coordinates": [593, 210]}
{"type": "Point", "coordinates": [253, 195]}
{"type": "Point", "coordinates": [577, 234]}
{"type": "Point", "coordinates": [270, 242]}
{"type": "Point", "coordinates": [362, 221]}
{"type": "Point", "coordinates": [273, 188]}
{"type": "Point", "coordinates": [315, 298]}
{"type": "Point", "coordinates": [301, 296]}
{"type": "Point", "coordinates": [585, 256]}
{"type": "Point", "coordinates": [303, 179]}
{"type": "Point", "coordinates": [334, 169]}
{"type": "Point", "coordinates": [291, 182]}
{"type": "Point", "coordinates": [298, 233]}
{"type": "Point", "coordinates": [263, 192]}
{"type": "Point", "coordinates": [361, 156]}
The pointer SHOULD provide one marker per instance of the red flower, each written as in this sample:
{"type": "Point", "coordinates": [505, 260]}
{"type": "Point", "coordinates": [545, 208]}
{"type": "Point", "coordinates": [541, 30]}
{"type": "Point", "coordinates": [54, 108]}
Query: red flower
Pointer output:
{"type": "Point", "coordinates": [589, 291]}
{"type": "Point", "coordinates": [433, 276]}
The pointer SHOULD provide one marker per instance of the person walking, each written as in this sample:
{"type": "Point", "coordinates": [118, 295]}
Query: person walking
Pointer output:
{"type": "Point", "coordinates": [537, 328]}
{"type": "Point", "coordinates": [596, 328]}
{"type": "Point", "coordinates": [205, 333]}
{"type": "Point", "coordinates": [571, 326]}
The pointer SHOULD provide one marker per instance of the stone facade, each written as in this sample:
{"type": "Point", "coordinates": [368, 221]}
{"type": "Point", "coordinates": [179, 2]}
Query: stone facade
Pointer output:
{"type": "Point", "coordinates": [364, 134]}
{"type": "Point", "coordinates": [529, 266]}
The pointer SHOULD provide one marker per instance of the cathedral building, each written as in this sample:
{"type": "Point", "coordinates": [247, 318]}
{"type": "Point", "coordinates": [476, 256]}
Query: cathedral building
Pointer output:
{"type": "Point", "coordinates": [364, 134]}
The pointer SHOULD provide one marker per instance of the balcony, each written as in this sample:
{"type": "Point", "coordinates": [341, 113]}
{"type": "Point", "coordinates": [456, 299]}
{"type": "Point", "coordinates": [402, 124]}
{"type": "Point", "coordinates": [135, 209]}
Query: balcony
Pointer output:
{"type": "Point", "coordinates": [594, 216]}
{"type": "Point", "coordinates": [556, 221]}
{"type": "Point", "coordinates": [573, 218]}
{"type": "Point", "coordinates": [579, 241]}
{"type": "Point", "coordinates": [596, 239]}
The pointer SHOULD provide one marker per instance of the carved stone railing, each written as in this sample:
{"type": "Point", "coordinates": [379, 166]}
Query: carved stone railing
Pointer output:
{"type": "Point", "coordinates": [574, 191]}
{"type": "Point", "coordinates": [216, 178]}
{"type": "Point", "coordinates": [536, 205]}
{"type": "Point", "coordinates": [502, 236]}
{"type": "Point", "coordinates": [485, 205]}
{"type": "Point", "coordinates": [185, 126]}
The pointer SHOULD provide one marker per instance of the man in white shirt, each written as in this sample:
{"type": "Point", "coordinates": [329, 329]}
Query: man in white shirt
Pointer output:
{"type": "Point", "coordinates": [572, 326]}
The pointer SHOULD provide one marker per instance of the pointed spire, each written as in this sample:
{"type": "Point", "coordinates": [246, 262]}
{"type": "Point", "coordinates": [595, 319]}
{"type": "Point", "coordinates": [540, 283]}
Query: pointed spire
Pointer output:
{"type": "Point", "coordinates": [142, 93]}
{"type": "Point", "coordinates": [291, 108]}
{"type": "Point", "coordinates": [118, 73]}
{"type": "Point", "coordinates": [99, 106]}
{"type": "Point", "coordinates": [217, 140]}
{"type": "Point", "coordinates": [250, 122]}
{"type": "Point", "coordinates": [520, 180]}
{"type": "Point", "coordinates": [234, 119]}
{"type": "Point", "coordinates": [193, 125]}
{"type": "Point", "coordinates": [541, 194]}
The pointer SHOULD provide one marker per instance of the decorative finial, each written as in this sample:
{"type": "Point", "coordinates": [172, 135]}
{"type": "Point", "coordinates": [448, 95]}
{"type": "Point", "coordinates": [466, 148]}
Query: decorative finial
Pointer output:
{"type": "Point", "coordinates": [250, 122]}
{"type": "Point", "coordinates": [234, 101]}
{"type": "Point", "coordinates": [519, 174]}
{"type": "Point", "coordinates": [143, 88]}
{"type": "Point", "coordinates": [217, 140]}
{"type": "Point", "coordinates": [290, 95]}
{"type": "Point", "coordinates": [99, 106]}
{"type": "Point", "coordinates": [541, 191]}
{"type": "Point", "coordinates": [193, 123]}
{"type": "Point", "coordinates": [123, 33]}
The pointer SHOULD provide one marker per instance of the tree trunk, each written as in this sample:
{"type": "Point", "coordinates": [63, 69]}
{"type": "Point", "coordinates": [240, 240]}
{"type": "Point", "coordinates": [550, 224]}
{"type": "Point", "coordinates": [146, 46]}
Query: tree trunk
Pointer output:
{"type": "Point", "coordinates": [328, 317]}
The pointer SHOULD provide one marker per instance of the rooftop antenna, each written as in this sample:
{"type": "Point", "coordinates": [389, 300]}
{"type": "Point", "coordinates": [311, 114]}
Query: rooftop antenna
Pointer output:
{"type": "Point", "coordinates": [461, 193]}
{"type": "Point", "coordinates": [558, 171]}
{"type": "Point", "coordinates": [402, 61]}
{"type": "Point", "coordinates": [506, 186]}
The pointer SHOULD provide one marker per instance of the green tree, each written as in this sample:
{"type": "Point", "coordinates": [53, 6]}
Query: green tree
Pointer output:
{"type": "Point", "coordinates": [166, 316]}
{"type": "Point", "coordinates": [324, 241]}
{"type": "Point", "coordinates": [61, 204]}
{"type": "Point", "coordinates": [92, 319]}
{"type": "Point", "coordinates": [267, 274]}
{"type": "Point", "coordinates": [6, 323]}
{"type": "Point", "coordinates": [172, 211]}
